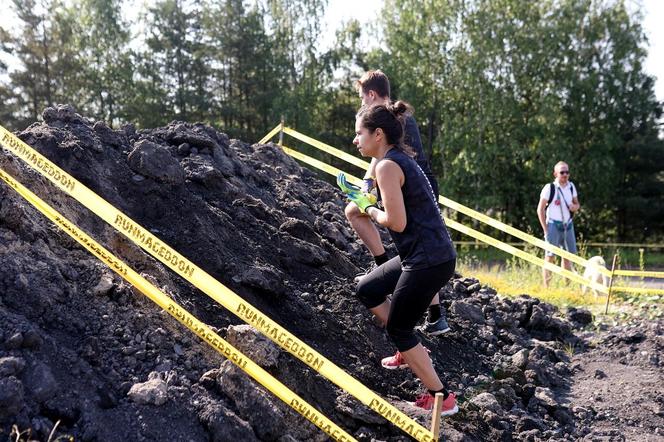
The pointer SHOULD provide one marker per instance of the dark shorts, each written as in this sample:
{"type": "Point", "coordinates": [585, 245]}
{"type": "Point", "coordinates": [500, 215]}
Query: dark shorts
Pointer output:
{"type": "Point", "coordinates": [412, 292]}
{"type": "Point", "coordinates": [561, 236]}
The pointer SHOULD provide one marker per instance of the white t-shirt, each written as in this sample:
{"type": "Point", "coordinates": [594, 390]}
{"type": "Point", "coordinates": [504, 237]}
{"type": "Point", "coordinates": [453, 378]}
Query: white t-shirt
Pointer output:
{"type": "Point", "coordinates": [557, 210]}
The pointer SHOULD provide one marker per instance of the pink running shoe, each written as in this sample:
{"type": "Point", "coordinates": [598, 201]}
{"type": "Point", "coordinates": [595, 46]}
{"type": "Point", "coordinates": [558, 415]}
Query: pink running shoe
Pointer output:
{"type": "Point", "coordinates": [394, 362]}
{"type": "Point", "coordinates": [425, 401]}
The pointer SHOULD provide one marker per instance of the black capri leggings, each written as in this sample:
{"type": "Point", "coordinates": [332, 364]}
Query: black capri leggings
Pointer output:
{"type": "Point", "coordinates": [412, 292]}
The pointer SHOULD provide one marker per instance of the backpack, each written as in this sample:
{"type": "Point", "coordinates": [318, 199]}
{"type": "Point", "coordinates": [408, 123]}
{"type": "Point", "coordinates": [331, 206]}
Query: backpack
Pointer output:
{"type": "Point", "coordinates": [552, 193]}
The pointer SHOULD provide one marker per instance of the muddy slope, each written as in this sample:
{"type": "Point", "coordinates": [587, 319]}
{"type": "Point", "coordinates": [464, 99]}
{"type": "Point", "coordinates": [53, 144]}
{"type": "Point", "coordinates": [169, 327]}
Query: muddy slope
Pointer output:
{"type": "Point", "coordinates": [80, 346]}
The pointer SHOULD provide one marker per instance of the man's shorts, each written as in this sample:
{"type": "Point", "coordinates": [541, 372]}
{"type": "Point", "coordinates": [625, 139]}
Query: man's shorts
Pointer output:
{"type": "Point", "coordinates": [561, 236]}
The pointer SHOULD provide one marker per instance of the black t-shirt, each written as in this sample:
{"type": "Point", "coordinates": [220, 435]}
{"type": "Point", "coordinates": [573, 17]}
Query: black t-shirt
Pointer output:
{"type": "Point", "coordinates": [425, 242]}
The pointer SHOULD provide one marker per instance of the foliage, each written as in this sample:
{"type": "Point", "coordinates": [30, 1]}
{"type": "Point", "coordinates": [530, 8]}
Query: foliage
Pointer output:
{"type": "Point", "coordinates": [502, 89]}
{"type": "Point", "coordinates": [521, 85]}
{"type": "Point", "coordinates": [174, 63]}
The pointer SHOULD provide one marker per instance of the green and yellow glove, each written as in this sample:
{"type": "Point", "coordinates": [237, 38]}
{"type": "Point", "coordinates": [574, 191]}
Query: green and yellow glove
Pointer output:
{"type": "Point", "coordinates": [345, 186]}
{"type": "Point", "coordinates": [361, 199]}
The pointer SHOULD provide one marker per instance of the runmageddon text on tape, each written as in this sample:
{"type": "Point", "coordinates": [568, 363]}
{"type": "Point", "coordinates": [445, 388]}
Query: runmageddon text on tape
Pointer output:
{"type": "Point", "coordinates": [213, 288]}
{"type": "Point", "coordinates": [182, 315]}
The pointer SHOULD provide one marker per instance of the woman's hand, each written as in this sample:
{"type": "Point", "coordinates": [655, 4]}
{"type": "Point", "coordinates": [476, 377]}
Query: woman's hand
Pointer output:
{"type": "Point", "coordinates": [345, 186]}
{"type": "Point", "coordinates": [363, 201]}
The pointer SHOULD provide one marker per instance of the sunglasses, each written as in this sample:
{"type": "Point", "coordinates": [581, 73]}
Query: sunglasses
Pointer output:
{"type": "Point", "coordinates": [564, 172]}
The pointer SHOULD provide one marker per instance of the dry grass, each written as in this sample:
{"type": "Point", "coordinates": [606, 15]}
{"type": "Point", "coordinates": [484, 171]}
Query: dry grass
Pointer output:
{"type": "Point", "coordinates": [516, 279]}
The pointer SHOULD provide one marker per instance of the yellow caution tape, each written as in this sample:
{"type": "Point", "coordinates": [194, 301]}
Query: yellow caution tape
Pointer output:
{"type": "Point", "coordinates": [318, 164]}
{"type": "Point", "coordinates": [449, 203]}
{"type": "Point", "coordinates": [327, 148]}
{"type": "Point", "coordinates": [626, 245]}
{"type": "Point", "coordinates": [460, 227]}
{"type": "Point", "coordinates": [639, 273]}
{"type": "Point", "coordinates": [517, 233]}
{"type": "Point", "coordinates": [183, 316]}
{"type": "Point", "coordinates": [270, 134]}
{"type": "Point", "coordinates": [589, 244]}
{"type": "Point", "coordinates": [461, 208]}
{"type": "Point", "coordinates": [213, 288]}
{"type": "Point", "coordinates": [476, 234]}
{"type": "Point", "coordinates": [638, 290]}
{"type": "Point", "coordinates": [524, 255]}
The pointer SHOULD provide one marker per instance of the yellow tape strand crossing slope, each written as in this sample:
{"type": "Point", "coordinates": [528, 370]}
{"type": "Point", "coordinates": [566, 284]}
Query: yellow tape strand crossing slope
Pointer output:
{"type": "Point", "coordinates": [459, 227]}
{"type": "Point", "coordinates": [270, 134]}
{"type": "Point", "coordinates": [473, 214]}
{"type": "Point", "coordinates": [182, 315]}
{"type": "Point", "coordinates": [213, 288]}
{"type": "Point", "coordinates": [460, 207]}
{"type": "Point", "coordinates": [639, 273]}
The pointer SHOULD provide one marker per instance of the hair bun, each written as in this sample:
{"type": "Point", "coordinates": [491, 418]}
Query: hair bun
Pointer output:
{"type": "Point", "coordinates": [399, 108]}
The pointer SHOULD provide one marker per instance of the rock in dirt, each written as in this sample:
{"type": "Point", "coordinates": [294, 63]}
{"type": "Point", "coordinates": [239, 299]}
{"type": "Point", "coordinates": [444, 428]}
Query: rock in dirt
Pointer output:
{"type": "Point", "coordinates": [580, 317]}
{"type": "Point", "coordinates": [253, 344]}
{"type": "Point", "coordinates": [487, 401]}
{"type": "Point", "coordinates": [40, 382]}
{"type": "Point", "coordinates": [467, 311]}
{"type": "Point", "coordinates": [11, 396]}
{"type": "Point", "coordinates": [520, 358]}
{"type": "Point", "coordinates": [11, 366]}
{"type": "Point", "coordinates": [224, 425]}
{"type": "Point", "coordinates": [153, 391]}
{"type": "Point", "coordinates": [153, 161]}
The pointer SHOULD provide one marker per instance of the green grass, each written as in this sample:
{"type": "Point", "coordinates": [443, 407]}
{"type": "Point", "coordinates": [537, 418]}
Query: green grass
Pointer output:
{"type": "Point", "coordinates": [513, 277]}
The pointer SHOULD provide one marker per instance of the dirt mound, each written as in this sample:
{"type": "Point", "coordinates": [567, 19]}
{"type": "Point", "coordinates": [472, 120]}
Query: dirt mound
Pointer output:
{"type": "Point", "coordinates": [80, 346]}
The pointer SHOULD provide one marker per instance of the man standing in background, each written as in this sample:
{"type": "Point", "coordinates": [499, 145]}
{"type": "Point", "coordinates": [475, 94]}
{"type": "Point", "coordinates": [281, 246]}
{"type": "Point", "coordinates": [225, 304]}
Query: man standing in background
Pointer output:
{"type": "Point", "coordinates": [558, 203]}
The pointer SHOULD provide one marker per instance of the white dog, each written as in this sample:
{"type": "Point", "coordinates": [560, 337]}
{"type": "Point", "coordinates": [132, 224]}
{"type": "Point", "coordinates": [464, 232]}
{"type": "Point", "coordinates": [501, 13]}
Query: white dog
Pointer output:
{"type": "Point", "coordinates": [594, 274]}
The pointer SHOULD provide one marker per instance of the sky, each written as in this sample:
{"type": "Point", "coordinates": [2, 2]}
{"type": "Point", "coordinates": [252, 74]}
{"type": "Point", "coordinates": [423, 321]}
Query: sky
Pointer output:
{"type": "Point", "coordinates": [338, 11]}
{"type": "Point", "coordinates": [367, 10]}
{"type": "Point", "coordinates": [653, 24]}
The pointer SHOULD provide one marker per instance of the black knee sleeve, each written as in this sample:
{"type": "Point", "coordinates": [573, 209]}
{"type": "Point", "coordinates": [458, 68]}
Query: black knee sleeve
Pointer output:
{"type": "Point", "coordinates": [404, 340]}
{"type": "Point", "coordinates": [368, 295]}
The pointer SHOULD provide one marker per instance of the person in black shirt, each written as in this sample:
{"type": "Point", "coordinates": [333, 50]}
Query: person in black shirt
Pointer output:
{"type": "Point", "coordinates": [426, 256]}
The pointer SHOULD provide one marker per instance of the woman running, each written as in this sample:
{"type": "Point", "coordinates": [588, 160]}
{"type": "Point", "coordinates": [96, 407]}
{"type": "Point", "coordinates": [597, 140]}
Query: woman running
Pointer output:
{"type": "Point", "coordinates": [426, 256]}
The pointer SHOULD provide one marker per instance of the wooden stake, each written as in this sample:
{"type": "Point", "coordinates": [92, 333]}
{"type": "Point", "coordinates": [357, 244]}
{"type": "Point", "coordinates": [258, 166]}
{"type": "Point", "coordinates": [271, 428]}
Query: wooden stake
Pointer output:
{"type": "Point", "coordinates": [608, 295]}
{"type": "Point", "coordinates": [435, 418]}
{"type": "Point", "coordinates": [281, 132]}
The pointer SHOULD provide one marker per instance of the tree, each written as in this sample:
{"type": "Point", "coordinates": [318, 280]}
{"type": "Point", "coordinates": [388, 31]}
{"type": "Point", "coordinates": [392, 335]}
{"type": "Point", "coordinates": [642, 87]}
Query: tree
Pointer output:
{"type": "Point", "coordinates": [33, 83]}
{"type": "Point", "coordinates": [302, 71]}
{"type": "Point", "coordinates": [103, 78]}
{"type": "Point", "coordinates": [9, 108]}
{"type": "Point", "coordinates": [243, 81]}
{"type": "Point", "coordinates": [515, 87]}
{"type": "Point", "coordinates": [44, 47]}
{"type": "Point", "coordinates": [173, 67]}
{"type": "Point", "coordinates": [418, 37]}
